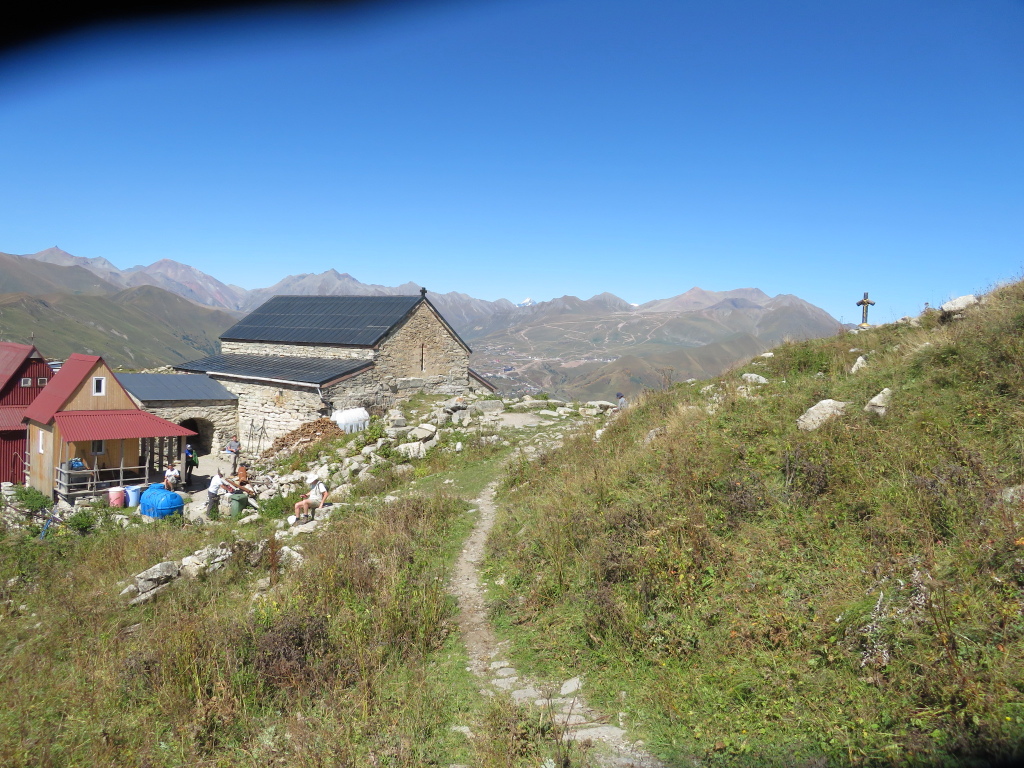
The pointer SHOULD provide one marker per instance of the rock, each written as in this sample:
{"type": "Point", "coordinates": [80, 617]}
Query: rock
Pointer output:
{"type": "Point", "coordinates": [423, 432]}
{"type": "Point", "coordinates": [820, 413]}
{"type": "Point", "coordinates": [753, 378]}
{"type": "Point", "coordinates": [161, 573]}
{"type": "Point", "coordinates": [569, 687]}
{"type": "Point", "coordinates": [603, 405]}
{"type": "Point", "coordinates": [249, 519]}
{"type": "Point", "coordinates": [411, 450]}
{"type": "Point", "coordinates": [763, 354]}
{"type": "Point", "coordinates": [411, 383]}
{"type": "Point", "coordinates": [859, 364]}
{"type": "Point", "coordinates": [130, 591]}
{"type": "Point", "coordinates": [959, 304]}
{"type": "Point", "coordinates": [458, 447]}
{"type": "Point", "coordinates": [487, 406]}
{"type": "Point", "coordinates": [290, 557]}
{"type": "Point", "coordinates": [547, 412]}
{"type": "Point", "coordinates": [913, 322]}
{"type": "Point", "coordinates": [598, 433]}
{"type": "Point", "coordinates": [589, 411]}
{"type": "Point", "coordinates": [879, 403]}
{"type": "Point", "coordinates": [653, 434]}
{"type": "Point", "coordinates": [396, 418]}
{"type": "Point", "coordinates": [192, 567]}
{"type": "Point", "coordinates": [123, 520]}
{"type": "Point", "coordinates": [148, 595]}
{"type": "Point", "coordinates": [1013, 495]}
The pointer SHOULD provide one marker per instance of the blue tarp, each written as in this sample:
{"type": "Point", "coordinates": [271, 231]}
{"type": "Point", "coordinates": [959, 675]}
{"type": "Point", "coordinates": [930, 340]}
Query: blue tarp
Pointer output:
{"type": "Point", "coordinates": [157, 501]}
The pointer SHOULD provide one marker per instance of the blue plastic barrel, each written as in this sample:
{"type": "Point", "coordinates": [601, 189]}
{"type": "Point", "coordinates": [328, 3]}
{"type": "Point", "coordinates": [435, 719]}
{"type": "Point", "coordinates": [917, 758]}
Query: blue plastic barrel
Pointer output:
{"type": "Point", "coordinates": [156, 501]}
{"type": "Point", "coordinates": [134, 491]}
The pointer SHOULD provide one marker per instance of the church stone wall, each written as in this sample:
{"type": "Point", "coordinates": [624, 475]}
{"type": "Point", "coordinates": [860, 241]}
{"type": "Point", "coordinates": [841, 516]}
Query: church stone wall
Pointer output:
{"type": "Point", "coordinates": [295, 350]}
{"type": "Point", "coordinates": [422, 348]}
{"type": "Point", "coordinates": [272, 410]}
{"type": "Point", "coordinates": [223, 415]}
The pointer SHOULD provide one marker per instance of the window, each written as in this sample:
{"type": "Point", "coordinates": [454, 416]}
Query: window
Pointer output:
{"type": "Point", "coordinates": [99, 385]}
{"type": "Point", "coordinates": [97, 448]}
{"type": "Point", "coordinates": [41, 381]}
{"type": "Point", "coordinates": [26, 382]}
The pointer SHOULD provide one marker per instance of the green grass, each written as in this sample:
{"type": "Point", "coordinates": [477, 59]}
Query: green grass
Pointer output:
{"type": "Point", "coordinates": [763, 595]}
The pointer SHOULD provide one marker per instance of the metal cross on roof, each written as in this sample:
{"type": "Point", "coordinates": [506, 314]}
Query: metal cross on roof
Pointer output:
{"type": "Point", "coordinates": [865, 303]}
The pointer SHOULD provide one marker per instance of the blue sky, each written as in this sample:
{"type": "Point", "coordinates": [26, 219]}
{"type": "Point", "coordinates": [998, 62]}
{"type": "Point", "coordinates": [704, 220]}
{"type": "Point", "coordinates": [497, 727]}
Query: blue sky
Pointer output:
{"type": "Point", "coordinates": [515, 148]}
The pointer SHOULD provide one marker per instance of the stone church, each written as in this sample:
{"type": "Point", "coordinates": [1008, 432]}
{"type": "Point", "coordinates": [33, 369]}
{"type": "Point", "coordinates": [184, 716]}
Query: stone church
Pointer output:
{"type": "Point", "coordinates": [298, 358]}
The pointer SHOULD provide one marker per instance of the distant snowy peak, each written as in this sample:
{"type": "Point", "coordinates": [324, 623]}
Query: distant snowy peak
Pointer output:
{"type": "Point", "coordinates": [527, 302]}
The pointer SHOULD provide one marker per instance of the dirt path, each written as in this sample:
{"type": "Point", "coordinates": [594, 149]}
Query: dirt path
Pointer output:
{"type": "Point", "coordinates": [565, 699]}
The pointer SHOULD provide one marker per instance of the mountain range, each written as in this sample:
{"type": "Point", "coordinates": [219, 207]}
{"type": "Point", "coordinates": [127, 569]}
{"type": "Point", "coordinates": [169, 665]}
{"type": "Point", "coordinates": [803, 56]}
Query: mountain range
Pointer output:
{"type": "Point", "coordinates": [148, 315]}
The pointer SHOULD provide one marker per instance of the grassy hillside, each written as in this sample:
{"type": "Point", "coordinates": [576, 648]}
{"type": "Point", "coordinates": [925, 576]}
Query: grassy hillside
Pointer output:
{"type": "Point", "coordinates": [22, 275]}
{"type": "Point", "coordinates": [136, 328]}
{"type": "Point", "coordinates": [749, 593]}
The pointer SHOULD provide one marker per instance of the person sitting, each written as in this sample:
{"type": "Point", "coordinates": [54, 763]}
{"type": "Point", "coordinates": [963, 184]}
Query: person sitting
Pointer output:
{"type": "Point", "coordinates": [171, 477]}
{"type": "Point", "coordinates": [317, 496]}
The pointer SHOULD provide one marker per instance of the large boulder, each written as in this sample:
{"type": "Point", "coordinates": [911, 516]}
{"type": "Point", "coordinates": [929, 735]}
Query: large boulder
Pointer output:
{"type": "Point", "coordinates": [959, 304]}
{"type": "Point", "coordinates": [820, 413]}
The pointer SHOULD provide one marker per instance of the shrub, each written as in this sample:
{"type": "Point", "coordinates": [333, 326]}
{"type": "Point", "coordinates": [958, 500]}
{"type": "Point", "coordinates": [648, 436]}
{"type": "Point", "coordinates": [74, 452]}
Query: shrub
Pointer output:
{"type": "Point", "coordinates": [32, 499]}
{"type": "Point", "coordinates": [81, 521]}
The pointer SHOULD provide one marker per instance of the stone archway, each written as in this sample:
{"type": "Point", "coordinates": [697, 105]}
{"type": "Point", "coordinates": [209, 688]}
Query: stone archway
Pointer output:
{"type": "Point", "coordinates": [203, 442]}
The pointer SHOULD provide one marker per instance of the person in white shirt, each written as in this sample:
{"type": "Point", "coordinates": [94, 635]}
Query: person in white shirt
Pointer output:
{"type": "Point", "coordinates": [317, 496]}
{"type": "Point", "coordinates": [171, 477]}
{"type": "Point", "coordinates": [213, 495]}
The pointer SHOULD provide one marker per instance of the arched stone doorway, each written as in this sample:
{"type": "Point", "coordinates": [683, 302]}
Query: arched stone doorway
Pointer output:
{"type": "Point", "coordinates": [203, 441]}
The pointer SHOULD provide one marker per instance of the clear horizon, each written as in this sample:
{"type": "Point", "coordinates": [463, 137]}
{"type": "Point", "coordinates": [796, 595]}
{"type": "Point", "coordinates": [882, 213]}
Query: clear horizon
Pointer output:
{"type": "Point", "coordinates": [537, 149]}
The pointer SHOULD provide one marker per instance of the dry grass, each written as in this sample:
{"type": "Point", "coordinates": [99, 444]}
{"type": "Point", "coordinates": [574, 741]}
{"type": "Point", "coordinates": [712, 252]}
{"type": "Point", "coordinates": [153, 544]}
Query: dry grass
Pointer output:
{"type": "Point", "coordinates": [764, 595]}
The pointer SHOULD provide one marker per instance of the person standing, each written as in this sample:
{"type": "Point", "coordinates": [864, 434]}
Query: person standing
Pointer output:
{"type": "Point", "coordinates": [213, 495]}
{"type": "Point", "coordinates": [191, 461]}
{"type": "Point", "coordinates": [233, 448]}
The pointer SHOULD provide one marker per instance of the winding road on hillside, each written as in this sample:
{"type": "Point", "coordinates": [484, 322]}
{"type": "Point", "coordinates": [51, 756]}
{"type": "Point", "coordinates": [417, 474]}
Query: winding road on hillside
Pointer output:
{"type": "Point", "coordinates": [563, 700]}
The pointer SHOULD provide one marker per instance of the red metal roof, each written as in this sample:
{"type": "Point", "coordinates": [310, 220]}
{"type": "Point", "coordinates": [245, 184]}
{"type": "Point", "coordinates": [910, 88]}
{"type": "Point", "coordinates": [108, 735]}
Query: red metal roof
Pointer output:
{"type": "Point", "coordinates": [76, 426]}
{"type": "Point", "coordinates": [11, 358]}
{"type": "Point", "coordinates": [61, 387]}
{"type": "Point", "coordinates": [10, 417]}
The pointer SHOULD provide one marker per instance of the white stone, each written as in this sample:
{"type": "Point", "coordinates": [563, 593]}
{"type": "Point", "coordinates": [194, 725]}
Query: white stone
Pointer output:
{"type": "Point", "coordinates": [570, 687]}
{"type": "Point", "coordinates": [753, 378]}
{"type": "Point", "coordinates": [879, 403]}
{"type": "Point", "coordinates": [820, 413]}
{"type": "Point", "coordinates": [249, 519]}
{"type": "Point", "coordinates": [859, 364]}
{"type": "Point", "coordinates": [763, 354]}
{"type": "Point", "coordinates": [411, 450]}
{"type": "Point", "coordinates": [959, 304]}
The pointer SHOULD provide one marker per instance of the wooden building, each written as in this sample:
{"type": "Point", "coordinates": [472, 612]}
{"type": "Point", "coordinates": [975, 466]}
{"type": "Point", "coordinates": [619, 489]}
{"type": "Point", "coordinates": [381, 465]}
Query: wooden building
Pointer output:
{"type": "Point", "coordinates": [85, 433]}
{"type": "Point", "coordinates": [23, 374]}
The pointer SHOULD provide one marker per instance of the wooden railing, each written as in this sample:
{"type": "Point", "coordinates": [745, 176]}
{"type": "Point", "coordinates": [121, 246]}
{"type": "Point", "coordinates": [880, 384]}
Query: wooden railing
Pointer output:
{"type": "Point", "coordinates": [87, 482]}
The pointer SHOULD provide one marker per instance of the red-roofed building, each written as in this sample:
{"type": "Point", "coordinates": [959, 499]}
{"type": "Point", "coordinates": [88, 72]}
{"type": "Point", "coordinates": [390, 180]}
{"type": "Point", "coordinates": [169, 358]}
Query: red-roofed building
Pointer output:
{"type": "Point", "coordinates": [85, 416]}
{"type": "Point", "coordinates": [23, 375]}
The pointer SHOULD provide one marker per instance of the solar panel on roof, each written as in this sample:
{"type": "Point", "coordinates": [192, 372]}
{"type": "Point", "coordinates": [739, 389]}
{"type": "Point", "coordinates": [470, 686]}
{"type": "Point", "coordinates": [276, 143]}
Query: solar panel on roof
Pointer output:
{"type": "Point", "coordinates": [307, 370]}
{"type": "Point", "coordinates": [346, 320]}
